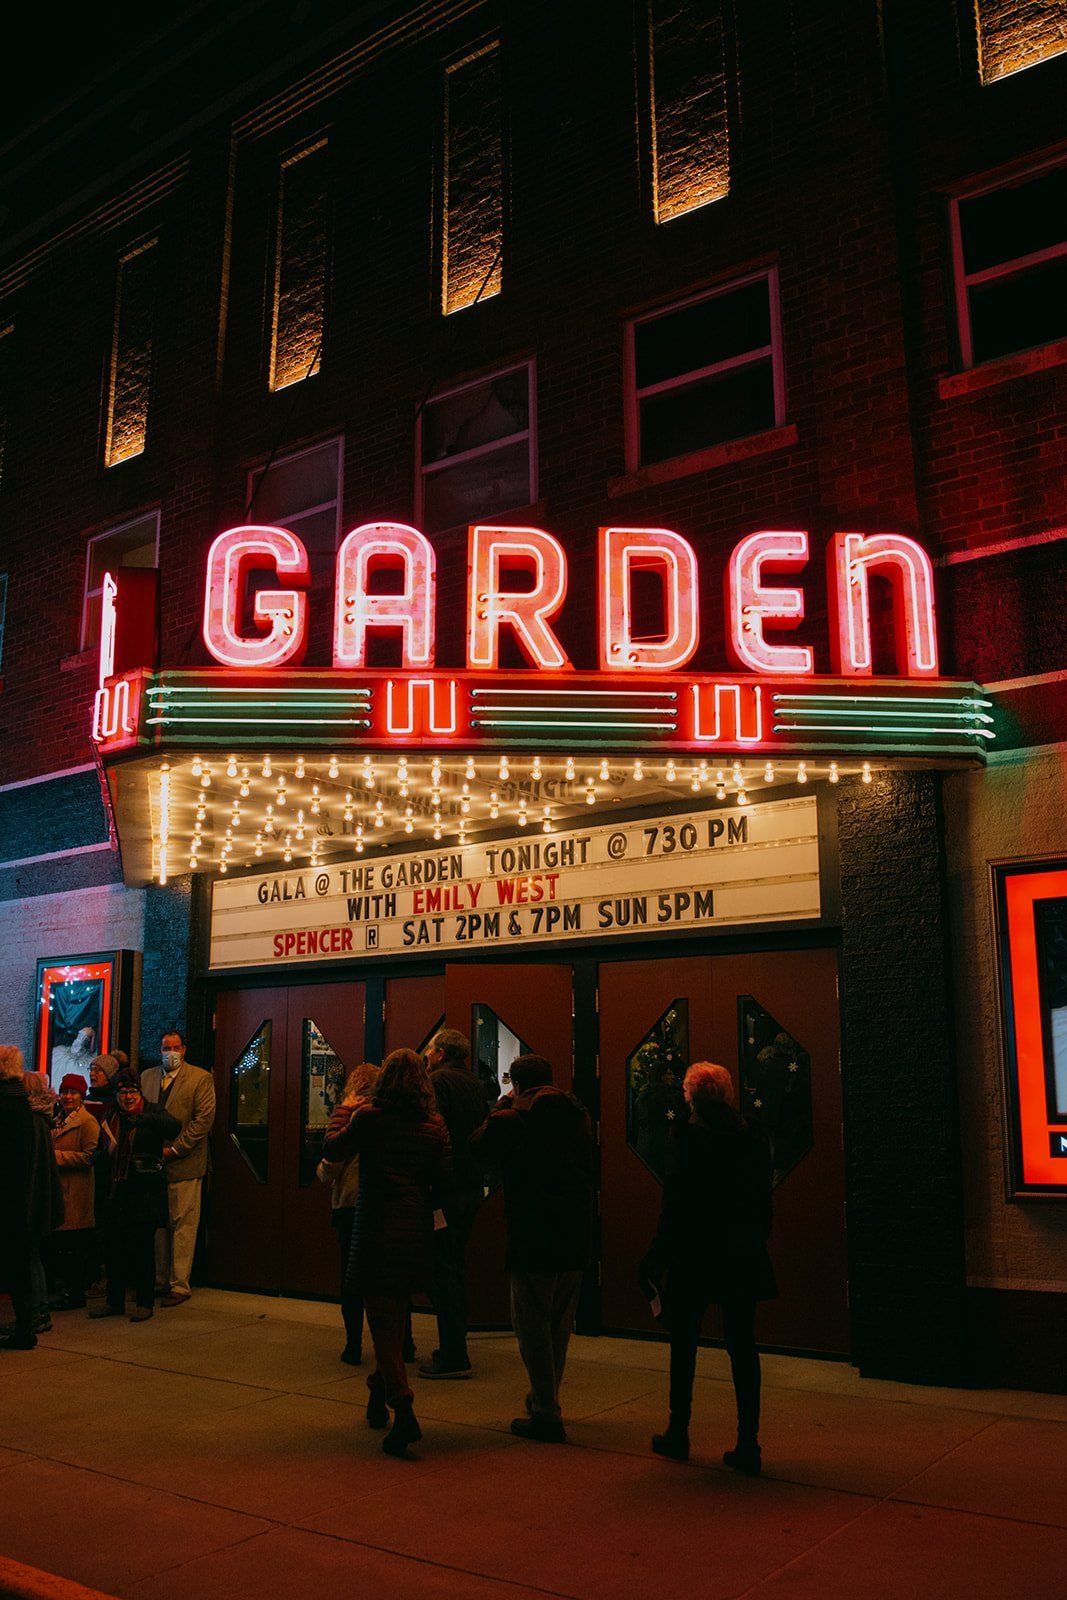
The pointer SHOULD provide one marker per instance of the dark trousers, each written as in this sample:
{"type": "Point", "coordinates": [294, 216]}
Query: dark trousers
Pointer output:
{"type": "Point", "coordinates": [685, 1314]}
{"type": "Point", "coordinates": [68, 1256]}
{"type": "Point", "coordinates": [351, 1299]}
{"type": "Point", "coordinates": [386, 1316]}
{"type": "Point", "coordinates": [450, 1281]}
{"type": "Point", "coordinates": [543, 1308]}
{"type": "Point", "coordinates": [130, 1250]}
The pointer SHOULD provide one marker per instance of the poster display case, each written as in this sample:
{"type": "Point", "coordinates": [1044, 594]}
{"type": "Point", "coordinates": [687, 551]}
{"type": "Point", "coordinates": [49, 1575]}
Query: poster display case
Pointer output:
{"type": "Point", "coordinates": [86, 1005]}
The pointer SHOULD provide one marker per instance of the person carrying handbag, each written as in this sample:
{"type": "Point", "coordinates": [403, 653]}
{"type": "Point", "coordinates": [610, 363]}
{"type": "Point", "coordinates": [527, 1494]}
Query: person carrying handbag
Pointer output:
{"type": "Point", "coordinates": [136, 1136]}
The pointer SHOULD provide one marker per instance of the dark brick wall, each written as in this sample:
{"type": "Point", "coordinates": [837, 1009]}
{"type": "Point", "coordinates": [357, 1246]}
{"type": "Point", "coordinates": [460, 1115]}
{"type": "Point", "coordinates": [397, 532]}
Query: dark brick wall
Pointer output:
{"type": "Point", "coordinates": [905, 1215]}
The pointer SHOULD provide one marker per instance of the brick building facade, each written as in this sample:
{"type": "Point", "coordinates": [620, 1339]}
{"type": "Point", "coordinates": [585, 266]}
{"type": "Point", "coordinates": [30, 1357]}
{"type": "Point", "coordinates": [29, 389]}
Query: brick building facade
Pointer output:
{"type": "Point", "coordinates": [401, 201]}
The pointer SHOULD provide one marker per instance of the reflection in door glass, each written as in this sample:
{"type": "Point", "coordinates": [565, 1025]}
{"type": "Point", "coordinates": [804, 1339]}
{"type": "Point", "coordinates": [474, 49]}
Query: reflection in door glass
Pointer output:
{"type": "Point", "coordinates": [775, 1084]}
{"type": "Point", "coordinates": [250, 1100]}
{"type": "Point", "coordinates": [495, 1048]}
{"type": "Point", "coordinates": [655, 1104]}
{"type": "Point", "coordinates": [322, 1082]}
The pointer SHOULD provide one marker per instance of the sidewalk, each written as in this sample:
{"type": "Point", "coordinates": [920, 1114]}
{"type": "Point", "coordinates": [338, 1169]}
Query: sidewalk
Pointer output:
{"type": "Point", "coordinates": [220, 1450]}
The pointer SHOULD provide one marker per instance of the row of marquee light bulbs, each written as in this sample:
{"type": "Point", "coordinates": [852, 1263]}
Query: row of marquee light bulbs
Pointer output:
{"type": "Point", "coordinates": [277, 830]}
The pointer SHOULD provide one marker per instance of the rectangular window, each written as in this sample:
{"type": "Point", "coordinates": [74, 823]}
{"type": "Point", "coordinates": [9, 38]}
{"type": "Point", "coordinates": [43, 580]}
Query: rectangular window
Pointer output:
{"type": "Point", "coordinates": [477, 456]}
{"type": "Point", "coordinates": [472, 201]}
{"type": "Point", "coordinates": [301, 492]}
{"type": "Point", "coordinates": [1031, 912]}
{"type": "Point", "coordinates": [3, 615]}
{"type": "Point", "coordinates": [7, 345]}
{"type": "Point", "coordinates": [687, 81]}
{"type": "Point", "coordinates": [129, 390]}
{"type": "Point", "coordinates": [1016, 34]}
{"type": "Point", "coordinates": [134, 544]}
{"type": "Point", "coordinates": [705, 371]}
{"type": "Point", "coordinates": [1010, 258]}
{"type": "Point", "coordinates": [299, 268]}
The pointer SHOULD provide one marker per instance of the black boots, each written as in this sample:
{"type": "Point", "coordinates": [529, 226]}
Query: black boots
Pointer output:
{"type": "Point", "coordinates": [745, 1457]}
{"type": "Point", "coordinates": [377, 1410]}
{"type": "Point", "coordinates": [674, 1443]}
{"type": "Point", "coordinates": [405, 1429]}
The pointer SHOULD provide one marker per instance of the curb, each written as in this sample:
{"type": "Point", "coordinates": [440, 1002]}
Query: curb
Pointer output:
{"type": "Point", "coordinates": [18, 1582]}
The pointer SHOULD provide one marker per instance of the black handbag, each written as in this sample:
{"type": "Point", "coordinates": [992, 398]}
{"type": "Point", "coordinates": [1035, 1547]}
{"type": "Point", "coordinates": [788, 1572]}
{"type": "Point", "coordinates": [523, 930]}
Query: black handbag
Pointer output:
{"type": "Point", "coordinates": [143, 1166]}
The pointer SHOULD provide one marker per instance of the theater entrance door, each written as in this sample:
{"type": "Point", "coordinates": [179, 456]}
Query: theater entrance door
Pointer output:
{"type": "Point", "coordinates": [281, 1056]}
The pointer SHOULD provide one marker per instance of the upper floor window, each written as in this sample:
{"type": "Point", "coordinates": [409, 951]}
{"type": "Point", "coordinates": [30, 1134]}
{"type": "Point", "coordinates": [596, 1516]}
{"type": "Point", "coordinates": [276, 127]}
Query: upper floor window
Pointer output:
{"type": "Point", "coordinates": [704, 371]}
{"type": "Point", "coordinates": [1016, 34]}
{"type": "Point", "coordinates": [6, 346]}
{"type": "Point", "coordinates": [133, 544]}
{"type": "Point", "coordinates": [687, 95]}
{"type": "Point", "coordinates": [3, 614]}
{"type": "Point", "coordinates": [299, 267]}
{"type": "Point", "coordinates": [472, 201]}
{"type": "Point", "coordinates": [301, 492]}
{"type": "Point", "coordinates": [130, 381]}
{"type": "Point", "coordinates": [1010, 259]}
{"type": "Point", "coordinates": [477, 454]}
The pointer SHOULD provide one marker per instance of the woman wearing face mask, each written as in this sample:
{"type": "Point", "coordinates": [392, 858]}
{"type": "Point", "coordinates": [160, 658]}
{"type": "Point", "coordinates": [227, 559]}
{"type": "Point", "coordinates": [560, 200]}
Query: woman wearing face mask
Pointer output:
{"type": "Point", "coordinates": [138, 1200]}
{"type": "Point", "coordinates": [68, 1251]}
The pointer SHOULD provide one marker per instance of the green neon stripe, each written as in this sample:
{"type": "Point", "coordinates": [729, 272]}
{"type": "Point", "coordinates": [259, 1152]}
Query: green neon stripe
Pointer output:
{"type": "Point", "coordinates": [236, 688]}
{"type": "Point", "coordinates": [887, 699]}
{"type": "Point", "coordinates": [876, 732]}
{"type": "Point", "coordinates": [670, 727]}
{"type": "Point", "coordinates": [273, 722]}
{"type": "Point", "coordinates": [838, 711]}
{"type": "Point", "coordinates": [176, 703]}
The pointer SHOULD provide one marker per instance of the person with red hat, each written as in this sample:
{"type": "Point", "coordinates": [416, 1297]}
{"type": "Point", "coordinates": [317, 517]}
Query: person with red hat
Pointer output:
{"type": "Point", "coordinates": [135, 1135]}
{"type": "Point", "coordinates": [68, 1251]}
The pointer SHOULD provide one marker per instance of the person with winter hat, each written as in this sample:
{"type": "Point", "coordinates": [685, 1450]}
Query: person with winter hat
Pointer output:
{"type": "Point", "coordinates": [68, 1251]}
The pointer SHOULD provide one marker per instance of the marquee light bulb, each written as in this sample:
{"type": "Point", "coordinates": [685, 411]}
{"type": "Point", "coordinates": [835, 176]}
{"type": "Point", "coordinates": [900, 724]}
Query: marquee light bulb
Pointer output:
{"type": "Point", "coordinates": [768, 772]}
{"type": "Point", "coordinates": [535, 769]}
{"type": "Point", "coordinates": [205, 781]}
{"type": "Point", "coordinates": [266, 769]}
{"type": "Point", "coordinates": [742, 798]}
{"type": "Point", "coordinates": [437, 830]}
{"type": "Point", "coordinates": [287, 854]}
{"type": "Point", "coordinates": [222, 866]}
{"type": "Point", "coordinates": [359, 847]}
{"type": "Point", "coordinates": [333, 768]}
{"type": "Point", "coordinates": [866, 772]}
{"type": "Point", "coordinates": [639, 772]}
{"type": "Point", "coordinates": [568, 771]}
{"type": "Point", "coordinates": [802, 772]}
{"type": "Point", "coordinates": [299, 766]}
{"type": "Point", "coordinates": [192, 863]}
{"type": "Point", "coordinates": [672, 772]}
{"type": "Point", "coordinates": [605, 771]}
{"type": "Point", "coordinates": [409, 826]}
{"type": "Point", "coordinates": [197, 767]}
{"type": "Point", "coordinates": [471, 770]}
{"type": "Point", "coordinates": [834, 773]}
{"type": "Point", "coordinates": [231, 767]}
{"type": "Point", "coordinates": [720, 793]}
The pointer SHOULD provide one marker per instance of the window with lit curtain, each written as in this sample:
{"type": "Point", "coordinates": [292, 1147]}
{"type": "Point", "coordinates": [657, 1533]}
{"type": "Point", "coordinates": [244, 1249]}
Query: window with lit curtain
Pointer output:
{"type": "Point", "coordinates": [472, 199]}
{"type": "Point", "coordinates": [129, 391]}
{"type": "Point", "coordinates": [1016, 34]}
{"type": "Point", "coordinates": [687, 85]}
{"type": "Point", "coordinates": [299, 267]}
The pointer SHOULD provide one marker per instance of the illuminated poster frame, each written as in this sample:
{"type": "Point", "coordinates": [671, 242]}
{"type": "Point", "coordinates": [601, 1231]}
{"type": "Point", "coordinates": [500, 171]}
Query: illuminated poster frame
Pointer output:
{"type": "Point", "coordinates": [1030, 908]}
{"type": "Point", "coordinates": [84, 1006]}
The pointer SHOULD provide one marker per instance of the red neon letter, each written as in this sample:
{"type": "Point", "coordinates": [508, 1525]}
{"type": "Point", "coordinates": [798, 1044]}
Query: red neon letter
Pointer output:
{"type": "Point", "coordinates": [527, 613]}
{"type": "Point", "coordinates": [749, 605]}
{"type": "Point", "coordinates": [849, 558]}
{"type": "Point", "coordinates": [746, 712]}
{"type": "Point", "coordinates": [627, 550]}
{"type": "Point", "coordinates": [373, 545]}
{"type": "Point", "coordinates": [282, 611]}
{"type": "Point", "coordinates": [433, 711]}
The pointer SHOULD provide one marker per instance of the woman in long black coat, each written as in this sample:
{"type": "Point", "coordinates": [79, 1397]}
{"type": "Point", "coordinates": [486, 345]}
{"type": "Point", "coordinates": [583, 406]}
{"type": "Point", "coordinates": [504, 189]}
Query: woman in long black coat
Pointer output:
{"type": "Point", "coordinates": [711, 1247]}
{"type": "Point", "coordinates": [136, 1135]}
{"type": "Point", "coordinates": [405, 1162]}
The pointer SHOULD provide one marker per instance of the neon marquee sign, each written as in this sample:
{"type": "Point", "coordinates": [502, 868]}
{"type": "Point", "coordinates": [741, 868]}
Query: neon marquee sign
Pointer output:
{"type": "Point", "coordinates": [753, 603]}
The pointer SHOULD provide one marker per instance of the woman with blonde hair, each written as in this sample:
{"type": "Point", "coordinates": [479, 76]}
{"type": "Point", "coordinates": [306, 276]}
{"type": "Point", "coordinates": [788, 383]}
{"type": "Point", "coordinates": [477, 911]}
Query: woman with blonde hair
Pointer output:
{"type": "Point", "coordinates": [344, 1175]}
{"type": "Point", "coordinates": [711, 1248]}
{"type": "Point", "coordinates": [405, 1164]}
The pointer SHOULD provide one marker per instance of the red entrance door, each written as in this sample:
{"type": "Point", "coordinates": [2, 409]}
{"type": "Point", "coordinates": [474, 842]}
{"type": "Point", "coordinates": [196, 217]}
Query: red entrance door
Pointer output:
{"type": "Point", "coordinates": [772, 1018]}
{"type": "Point", "coordinates": [281, 1056]}
{"type": "Point", "coordinates": [506, 1011]}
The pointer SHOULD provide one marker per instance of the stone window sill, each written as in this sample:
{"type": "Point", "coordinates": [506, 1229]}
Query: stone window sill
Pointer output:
{"type": "Point", "coordinates": [717, 455]}
{"type": "Point", "coordinates": [1004, 370]}
{"type": "Point", "coordinates": [83, 658]}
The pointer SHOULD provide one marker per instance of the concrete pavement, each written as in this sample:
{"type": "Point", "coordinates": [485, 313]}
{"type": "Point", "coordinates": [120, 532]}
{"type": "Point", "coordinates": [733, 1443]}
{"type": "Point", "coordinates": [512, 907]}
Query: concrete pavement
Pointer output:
{"type": "Point", "coordinates": [220, 1450]}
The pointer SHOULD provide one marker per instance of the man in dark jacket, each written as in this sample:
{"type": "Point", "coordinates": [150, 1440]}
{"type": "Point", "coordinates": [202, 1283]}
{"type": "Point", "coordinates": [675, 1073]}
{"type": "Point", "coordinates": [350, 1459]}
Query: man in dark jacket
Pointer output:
{"type": "Point", "coordinates": [542, 1140]}
{"type": "Point", "coordinates": [31, 1200]}
{"type": "Point", "coordinates": [462, 1104]}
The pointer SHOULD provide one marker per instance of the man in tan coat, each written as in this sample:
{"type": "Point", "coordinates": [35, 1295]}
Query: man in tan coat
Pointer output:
{"type": "Point", "coordinates": [188, 1093]}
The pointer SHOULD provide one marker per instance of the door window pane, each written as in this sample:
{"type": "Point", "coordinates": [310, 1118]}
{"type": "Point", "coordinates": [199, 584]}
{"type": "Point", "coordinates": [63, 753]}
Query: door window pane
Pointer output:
{"type": "Point", "coordinates": [655, 1104]}
{"type": "Point", "coordinates": [775, 1084]}
{"type": "Point", "coordinates": [250, 1100]}
{"type": "Point", "coordinates": [322, 1083]}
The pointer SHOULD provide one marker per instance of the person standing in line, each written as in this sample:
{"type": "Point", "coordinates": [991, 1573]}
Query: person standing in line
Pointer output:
{"type": "Point", "coordinates": [69, 1249]}
{"type": "Point", "coordinates": [405, 1169]}
{"type": "Point", "coordinates": [344, 1175]}
{"type": "Point", "coordinates": [542, 1139]}
{"type": "Point", "coordinates": [188, 1094]}
{"type": "Point", "coordinates": [711, 1248]}
{"type": "Point", "coordinates": [463, 1106]}
{"type": "Point", "coordinates": [31, 1200]}
{"type": "Point", "coordinates": [136, 1134]}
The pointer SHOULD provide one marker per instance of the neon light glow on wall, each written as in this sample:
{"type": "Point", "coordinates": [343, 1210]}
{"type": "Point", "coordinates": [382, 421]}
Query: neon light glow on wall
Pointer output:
{"type": "Point", "coordinates": [624, 551]}
{"type": "Point", "coordinates": [850, 558]}
{"type": "Point", "coordinates": [282, 614]}
{"type": "Point", "coordinates": [366, 550]}
{"type": "Point", "coordinates": [528, 614]}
